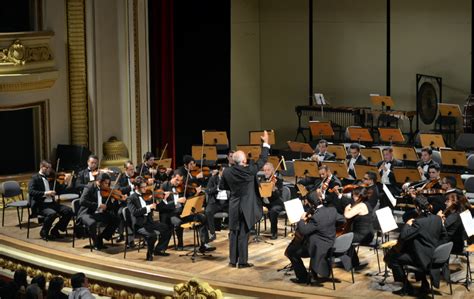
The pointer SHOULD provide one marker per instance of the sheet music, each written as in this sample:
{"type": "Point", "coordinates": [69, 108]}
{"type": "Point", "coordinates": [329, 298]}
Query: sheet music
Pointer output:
{"type": "Point", "coordinates": [319, 99]}
{"type": "Point", "coordinates": [467, 222]}
{"type": "Point", "coordinates": [294, 210]}
{"type": "Point", "coordinates": [386, 220]}
{"type": "Point", "coordinates": [222, 195]}
{"type": "Point", "coordinates": [392, 199]}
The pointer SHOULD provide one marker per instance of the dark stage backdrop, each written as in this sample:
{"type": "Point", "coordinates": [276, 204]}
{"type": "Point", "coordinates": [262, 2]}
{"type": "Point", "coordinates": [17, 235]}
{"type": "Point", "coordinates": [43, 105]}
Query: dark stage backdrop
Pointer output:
{"type": "Point", "coordinates": [189, 71]}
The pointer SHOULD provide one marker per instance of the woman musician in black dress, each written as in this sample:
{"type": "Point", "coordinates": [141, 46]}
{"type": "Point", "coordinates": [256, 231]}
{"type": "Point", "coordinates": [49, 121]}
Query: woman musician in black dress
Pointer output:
{"type": "Point", "coordinates": [456, 203]}
{"type": "Point", "coordinates": [359, 219]}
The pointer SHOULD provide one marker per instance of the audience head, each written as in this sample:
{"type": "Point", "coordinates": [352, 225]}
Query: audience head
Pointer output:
{"type": "Point", "coordinates": [79, 280]}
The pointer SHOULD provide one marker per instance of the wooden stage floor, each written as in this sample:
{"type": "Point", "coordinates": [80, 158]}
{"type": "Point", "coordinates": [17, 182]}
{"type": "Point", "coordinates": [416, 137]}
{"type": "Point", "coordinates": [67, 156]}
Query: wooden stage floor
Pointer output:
{"type": "Point", "coordinates": [262, 278]}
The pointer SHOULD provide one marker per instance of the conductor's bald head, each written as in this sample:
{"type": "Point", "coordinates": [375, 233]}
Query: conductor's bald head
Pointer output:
{"type": "Point", "coordinates": [240, 158]}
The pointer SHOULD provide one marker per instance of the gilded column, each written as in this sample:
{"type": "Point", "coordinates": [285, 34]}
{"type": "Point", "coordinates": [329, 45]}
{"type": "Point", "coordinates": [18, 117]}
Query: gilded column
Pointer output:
{"type": "Point", "coordinates": [76, 36]}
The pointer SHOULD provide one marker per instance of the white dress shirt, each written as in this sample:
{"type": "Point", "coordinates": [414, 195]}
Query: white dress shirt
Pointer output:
{"type": "Point", "coordinates": [47, 199]}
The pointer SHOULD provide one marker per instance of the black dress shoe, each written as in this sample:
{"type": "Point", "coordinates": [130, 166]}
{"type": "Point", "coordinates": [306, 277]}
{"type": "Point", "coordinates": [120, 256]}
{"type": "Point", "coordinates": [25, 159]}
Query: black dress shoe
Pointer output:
{"type": "Point", "coordinates": [299, 281]}
{"type": "Point", "coordinates": [404, 291]}
{"type": "Point", "coordinates": [131, 245]}
{"type": "Point", "coordinates": [120, 239]}
{"type": "Point", "coordinates": [149, 256]}
{"type": "Point", "coordinates": [274, 237]}
{"type": "Point", "coordinates": [247, 265]}
{"type": "Point", "coordinates": [232, 265]}
{"type": "Point", "coordinates": [212, 237]}
{"type": "Point", "coordinates": [179, 248]}
{"type": "Point", "coordinates": [55, 234]}
{"type": "Point", "coordinates": [161, 253]}
{"type": "Point", "coordinates": [206, 247]}
{"type": "Point", "coordinates": [44, 235]}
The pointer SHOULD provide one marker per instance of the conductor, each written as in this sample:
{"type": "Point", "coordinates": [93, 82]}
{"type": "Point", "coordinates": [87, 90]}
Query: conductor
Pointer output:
{"type": "Point", "coordinates": [245, 205]}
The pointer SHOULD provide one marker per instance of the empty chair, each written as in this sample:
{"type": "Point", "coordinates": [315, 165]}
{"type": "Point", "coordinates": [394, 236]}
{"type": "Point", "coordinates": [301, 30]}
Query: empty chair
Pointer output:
{"type": "Point", "coordinates": [11, 189]}
{"type": "Point", "coordinates": [470, 162]}
{"type": "Point", "coordinates": [437, 157]}
{"type": "Point", "coordinates": [465, 141]}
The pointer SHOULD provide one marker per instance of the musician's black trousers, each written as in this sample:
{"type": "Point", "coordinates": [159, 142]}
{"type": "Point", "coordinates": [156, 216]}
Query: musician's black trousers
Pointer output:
{"type": "Point", "coordinates": [110, 221]}
{"type": "Point", "coordinates": [212, 209]}
{"type": "Point", "coordinates": [51, 211]}
{"type": "Point", "coordinates": [274, 209]}
{"type": "Point", "coordinates": [396, 261]}
{"type": "Point", "coordinates": [176, 221]}
{"type": "Point", "coordinates": [295, 252]}
{"type": "Point", "coordinates": [239, 243]}
{"type": "Point", "coordinates": [148, 231]}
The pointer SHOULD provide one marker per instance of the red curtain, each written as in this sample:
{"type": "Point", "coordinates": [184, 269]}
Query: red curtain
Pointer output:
{"type": "Point", "coordinates": [162, 99]}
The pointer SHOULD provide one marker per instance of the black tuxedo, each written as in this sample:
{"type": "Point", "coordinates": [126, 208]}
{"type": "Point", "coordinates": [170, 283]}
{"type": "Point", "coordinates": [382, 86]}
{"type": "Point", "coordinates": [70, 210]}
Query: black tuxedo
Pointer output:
{"type": "Point", "coordinates": [89, 215]}
{"type": "Point", "coordinates": [361, 160]}
{"type": "Point", "coordinates": [275, 206]}
{"type": "Point", "coordinates": [213, 204]}
{"type": "Point", "coordinates": [331, 197]}
{"type": "Point", "coordinates": [124, 185]}
{"type": "Point", "coordinates": [419, 242]}
{"type": "Point", "coordinates": [170, 214]}
{"type": "Point", "coordinates": [392, 186]}
{"type": "Point", "coordinates": [146, 226]}
{"type": "Point", "coordinates": [328, 156]}
{"type": "Point", "coordinates": [82, 180]}
{"type": "Point", "coordinates": [51, 210]}
{"type": "Point", "coordinates": [429, 164]}
{"type": "Point", "coordinates": [245, 205]}
{"type": "Point", "coordinates": [455, 232]}
{"type": "Point", "coordinates": [319, 235]}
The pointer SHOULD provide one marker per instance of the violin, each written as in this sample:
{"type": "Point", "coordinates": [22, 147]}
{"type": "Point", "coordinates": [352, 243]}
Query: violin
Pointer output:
{"type": "Point", "coordinates": [206, 171]}
{"type": "Point", "coordinates": [115, 194]}
{"type": "Point", "coordinates": [102, 170]}
{"type": "Point", "coordinates": [189, 188]}
{"type": "Point", "coordinates": [155, 195]}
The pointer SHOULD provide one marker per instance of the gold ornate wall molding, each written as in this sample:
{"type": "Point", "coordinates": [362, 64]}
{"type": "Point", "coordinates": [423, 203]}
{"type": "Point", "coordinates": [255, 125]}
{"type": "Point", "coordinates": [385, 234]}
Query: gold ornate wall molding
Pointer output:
{"type": "Point", "coordinates": [78, 94]}
{"type": "Point", "coordinates": [26, 61]}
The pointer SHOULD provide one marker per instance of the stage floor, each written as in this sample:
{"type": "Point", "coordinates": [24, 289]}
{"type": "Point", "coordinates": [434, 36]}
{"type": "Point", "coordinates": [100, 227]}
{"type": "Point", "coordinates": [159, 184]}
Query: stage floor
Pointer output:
{"type": "Point", "coordinates": [263, 280]}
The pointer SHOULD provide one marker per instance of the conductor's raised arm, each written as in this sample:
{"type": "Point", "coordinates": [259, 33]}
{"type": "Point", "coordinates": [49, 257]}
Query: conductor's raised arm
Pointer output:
{"type": "Point", "coordinates": [264, 153]}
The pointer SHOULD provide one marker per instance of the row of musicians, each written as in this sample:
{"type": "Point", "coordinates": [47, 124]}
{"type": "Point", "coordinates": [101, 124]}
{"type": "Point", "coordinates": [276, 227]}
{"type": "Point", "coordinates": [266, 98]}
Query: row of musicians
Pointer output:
{"type": "Point", "coordinates": [93, 209]}
{"type": "Point", "coordinates": [422, 233]}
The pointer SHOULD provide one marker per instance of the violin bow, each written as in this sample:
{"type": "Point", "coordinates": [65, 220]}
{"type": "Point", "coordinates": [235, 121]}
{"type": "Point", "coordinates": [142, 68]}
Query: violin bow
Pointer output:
{"type": "Point", "coordinates": [113, 188]}
{"type": "Point", "coordinates": [163, 152]}
{"type": "Point", "coordinates": [56, 174]}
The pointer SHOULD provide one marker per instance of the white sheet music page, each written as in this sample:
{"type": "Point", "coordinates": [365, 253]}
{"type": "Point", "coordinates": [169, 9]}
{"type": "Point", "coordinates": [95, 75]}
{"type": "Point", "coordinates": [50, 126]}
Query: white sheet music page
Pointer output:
{"type": "Point", "coordinates": [467, 222]}
{"type": "Point", "coordinates": [386, 220]}
{"type": "Point", "coordinates": [294, 210]}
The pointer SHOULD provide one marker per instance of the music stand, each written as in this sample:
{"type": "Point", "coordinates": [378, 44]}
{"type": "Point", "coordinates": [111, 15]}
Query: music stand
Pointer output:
{"type": "Point", "coordinates": [457, 176]}
{"type": "Point", "coordinates": [302, 190]}
{"type": "Point", "coordinates": [266, 189]}
{"type": "Point", "coordinates": [404, 175]}
{"type": "Point", "coordinates": [405, 153]}
{"type": "Point", "coordinates": [193, 206]}
{"type": "Point", "coordinates": [274, 160]}
{"type": "Point", "coordinates": [164, 163]}
{"type": "Point", "coordinates": [361, 170]}
{"type": "Point", "coordinates": [306, 168]}
{"type": "Point", "coordinates": [339, 169]}
{"type": "Point", "coordinates": [359, 135]}
{"type": "Point", "coordinates": [321, 128]}
{"type": "Point", "coordinates": [215, 138]}
{"type": "Point", "coordinates": [208, 152]}
{"type": "Point", "coordinates": [252, 151]}
{"type": "Point", "coordinates": [338, 150]}
{"type": "Point", "coordinates": [432, 140]}
{"type": "Point", "coordinates": [391, 135]}
{"type": "Point", "coordinates": [373, 155]}
{"type": "Point", "coordinates": [384, 101]}
{"type": "Point", "coordinates": [453, 158]}
{"type": "Point", "coordinates": [300, 147]}
{"type": "Point", "coordinates": [449, 110]}
{"type": "Point", "coordinates": [255, 137]}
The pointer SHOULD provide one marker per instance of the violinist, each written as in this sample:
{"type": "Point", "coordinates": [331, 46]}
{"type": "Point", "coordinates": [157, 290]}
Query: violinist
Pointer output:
{"type": "Point", "coordinates": [326, 190]}
{"type": "Point", "coordinates": [42, 193]}
{"type": "Point", "coordinates": [144, 224]}
{"type": "Point", "coordinates": [172, 206]}
{"type": "Point", "coordinates": [94, 208]}
{"type": "Point", "coordinates": [370, 180]}
{"type": "Point", "coordinates": [321, 152]}
{"type": "Point", "coordinates": [189, 170]}
{"type": "Point", "coordinates": [387, 177]}
{"type": "Point", "coordinates": [126, 187]}
{"type": "Point", "coordinates": [419, 237]}
{"type": "Point", "coordinates": [360, 215]}
{"type": "Point", "coordinates": [146, 169]}
{"type": "Point", "coordinates": [88, 174]}
{"type": "Point", "coordinates": [425, 162]}
{"type": "Point", "coordinates": [230, 161]}
{"type": "Point", "coordinates": [319, 234]}
{"type": "Point", "coordinates": [274, 203]}
{"type": "Point", "coordinates": [456, 203]}
{"type": "Point", "coordinates": [354, 158]}
{"type": "Point", "coordinates": [217, 201]}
